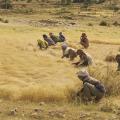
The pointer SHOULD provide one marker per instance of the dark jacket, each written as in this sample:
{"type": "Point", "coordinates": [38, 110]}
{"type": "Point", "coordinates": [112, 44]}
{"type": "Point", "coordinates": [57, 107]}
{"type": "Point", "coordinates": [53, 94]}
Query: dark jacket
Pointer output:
{"type": "Point", "coordinates": [62, 38]}
{"type": "Point", "coordinates": [84, 42]}
{"type": "Point", "coordinates": [94, 82]}
{"type": "Point", "coordinates": [49, 41]}
{"type": "Point", "coordinates": [55, 38]}
{"type": "Point", "coordinates": [118, 58]}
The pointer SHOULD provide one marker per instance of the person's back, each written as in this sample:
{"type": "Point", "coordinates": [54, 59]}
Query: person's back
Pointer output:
{"type": "Point", "coordinates": [55, 38]}
{"type": "Point", "coordinates": [84, 40]}
{"type": "Point", "coordinates": [48, 40]}
{"type": "Point", "coordinates": [42, 44]}
{"type": "Point", "coordinates": [62, 37]}
{"type": "Point", "coordinates": [91, 86]}
{"type": "Point", "coordinates": [85, 59]}
{"type": "Point", "coordinates": [68, 52]}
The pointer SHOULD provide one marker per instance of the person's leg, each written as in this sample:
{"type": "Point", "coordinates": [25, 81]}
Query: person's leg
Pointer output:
{"type": "Point", "coordinates": [40, 46]}
{"type": "Point", "coordinates": [46, 45]}
{"type": "Point", "coordinates": [96, 93]}
{"type": "Point", "coordinates": [88, 91]}
{"type": "Point", "coordinates": [118, 69]}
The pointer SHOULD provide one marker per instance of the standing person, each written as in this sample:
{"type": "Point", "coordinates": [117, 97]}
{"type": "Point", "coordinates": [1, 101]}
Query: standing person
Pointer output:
{"type": "Point", "coordinates": [48, 40]}
{"type": "Point", "coordinates": [118, 61]}
{"type": "Point", "coordinates": [84, 40]}
{"type": "Point", "coordinates": [68, 52]}
{"type": "Point", "coordinates": [92, 88]}
{"type": "Point", "coordinates": [62, 37]}
{"type": "Point", "coordinates": [42, 44]}
{"type": "Point", "coordinates": [85, 59]}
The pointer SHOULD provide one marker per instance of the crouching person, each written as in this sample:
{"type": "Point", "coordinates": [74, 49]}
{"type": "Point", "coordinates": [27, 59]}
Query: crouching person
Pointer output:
{"type": "Point", "coordinates": [85, 59]}
{"type": "Point", "coordinates": [118, 61]}
{"type": "Point", "coordinates": [84, 40]}
{"type": "Point", "coordinates": [48, 40]}
{"type": "Point", "coordinates": [92, 89]}
{"type": "Point", "coordinates": [68, 52]}
{"type": "Point", "coordinates": [42, 44]}
{"type": "Point", "coordinates": [62, 37]}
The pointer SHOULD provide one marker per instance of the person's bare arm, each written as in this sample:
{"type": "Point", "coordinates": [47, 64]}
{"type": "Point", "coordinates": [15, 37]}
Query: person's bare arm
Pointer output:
{"type": "Point", "coordinates": [76, 63]}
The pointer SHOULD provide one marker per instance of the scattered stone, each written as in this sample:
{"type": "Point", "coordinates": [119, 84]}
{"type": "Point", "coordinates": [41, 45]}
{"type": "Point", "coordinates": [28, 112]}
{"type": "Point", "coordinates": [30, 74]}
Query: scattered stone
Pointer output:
{"type": "Point", "coordinates": [83, 115]}
{"type": "Point", "coordinates": [72, 23]}
{"type": "Point", "coordinates": [58, 114]}
{"type": "Point", "coordinates": [35, 115]}
{"type": "Point", "coordinates": [42, 103]}
{"type": "Point", "coordinates": [38, 110]}
{"type": "Point", "coordinates": [13, 112]}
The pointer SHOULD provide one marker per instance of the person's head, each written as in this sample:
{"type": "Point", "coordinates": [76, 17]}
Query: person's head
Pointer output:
{"type": "Point", "coordinates": [44, 36]}
{"type": "Point", "coordinates": [64, 46]}
{"type": "Point", "coordinates": [50, 34]}
{"type": "Point", "coordinates": [60, 33]}
{"type": "Point", "coordinates": [80, 52]}
{"type": "Point", "coordinates": [83, 35]}
{"type": "Point", "coordinates": [82, 74]}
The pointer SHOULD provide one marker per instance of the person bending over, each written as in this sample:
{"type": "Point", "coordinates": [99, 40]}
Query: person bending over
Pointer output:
{"type": "Point", "coordinates": [85, 59]}
{"type": "Point", "coordinates": [68, 52]}
{"type": "Point", "coordinates": [48, 40]}
{"type": "Point", "coordinates": [92, 89]}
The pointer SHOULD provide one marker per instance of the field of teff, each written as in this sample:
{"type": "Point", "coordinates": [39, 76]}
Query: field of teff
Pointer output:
{"type": "Point", "coordinates": [27, 73]}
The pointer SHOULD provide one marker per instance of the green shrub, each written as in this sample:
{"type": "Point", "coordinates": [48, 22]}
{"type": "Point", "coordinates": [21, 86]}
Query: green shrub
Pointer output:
{"type": "Point", "coordinates": [103, 23]}
{"type": "Point", "coordinates": [90, 24]}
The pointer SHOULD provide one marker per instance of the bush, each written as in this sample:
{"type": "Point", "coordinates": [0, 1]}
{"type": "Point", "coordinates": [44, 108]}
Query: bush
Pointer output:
{"type": "Point", "coordinates": [1, 19]}
{"type": "Point", "coordinates": [90, 24]}
{"type": "Point", "coordinates": [113, 7]}
{"type": "Point", "coordinates": [103, 23]}
{"type": "Point", "coordinates": [116, 23]}
{"type": "Point", "coordinates": [110, 58]}
{"type": "Point", "coordinates": [6, 4]}
{"type": "Point", "coordinates": [5, 21]}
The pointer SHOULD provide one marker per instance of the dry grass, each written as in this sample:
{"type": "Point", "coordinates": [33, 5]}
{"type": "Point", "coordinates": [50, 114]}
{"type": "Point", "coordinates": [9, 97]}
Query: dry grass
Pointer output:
{"type": "Point", "coordinates": [109, 76]}
{"type": "Point", "coordinates": [110, 58]}
{"type": "Point", "coordinates": [26, 73]}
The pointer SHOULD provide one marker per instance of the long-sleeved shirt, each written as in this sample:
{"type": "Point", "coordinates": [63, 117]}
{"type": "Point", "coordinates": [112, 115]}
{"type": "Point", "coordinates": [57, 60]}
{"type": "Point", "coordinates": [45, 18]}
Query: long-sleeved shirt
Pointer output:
{"type": "Point", "coordinates": [85, 60]}
{"type": "Point", "coordinates": [62, 37]}
{"type": "Point", "coordinates": [66, 52]}
{"type": "Point", "coordinates": [55, 38]}
{"type": "Point", "coordinates": [94, 82]}
{"type": "Point", "coordinates": [49, 41]}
